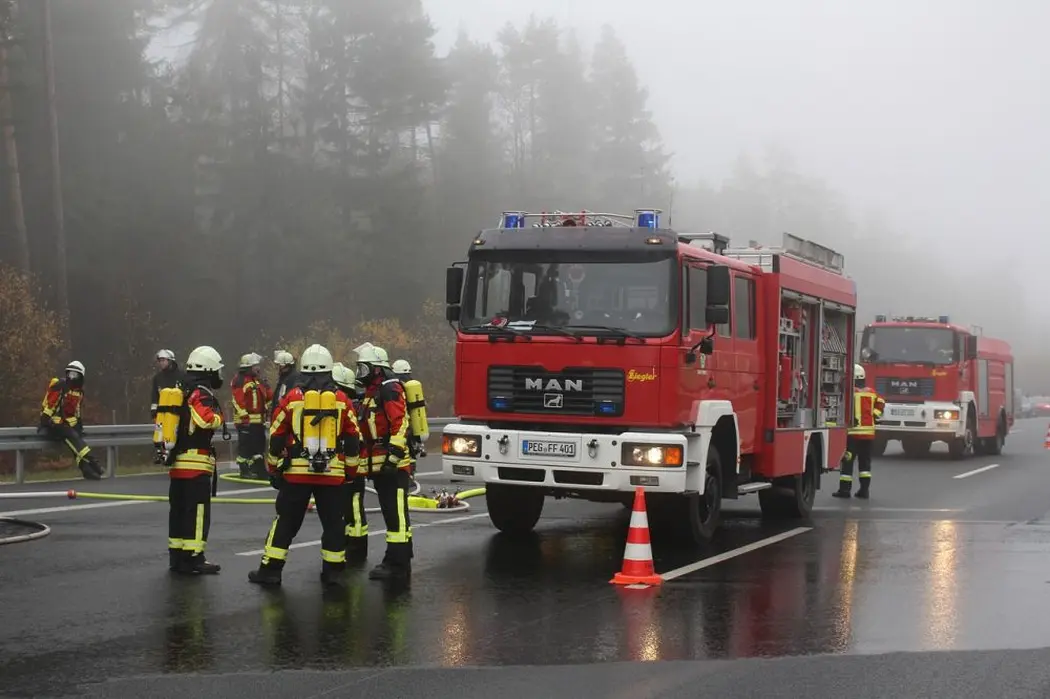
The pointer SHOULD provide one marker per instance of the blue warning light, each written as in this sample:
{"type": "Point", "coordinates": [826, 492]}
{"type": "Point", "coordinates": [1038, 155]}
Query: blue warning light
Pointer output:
{"type": "Point", "coordinates": [513, 219]}
{"type": "Point", "coordinates": [500, 403]}
{"type": "Point", "coordinates": [607, 407]}
{"type": "Point", "coordinates": [943, 319]}
{"type": "Point", "coordinates": [647, 218]}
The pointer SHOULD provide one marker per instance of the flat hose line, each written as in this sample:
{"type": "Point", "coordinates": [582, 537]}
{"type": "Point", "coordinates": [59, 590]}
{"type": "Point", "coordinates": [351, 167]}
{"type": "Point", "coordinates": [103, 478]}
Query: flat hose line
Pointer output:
{"type": "Point", "coordinates": [38, 530]}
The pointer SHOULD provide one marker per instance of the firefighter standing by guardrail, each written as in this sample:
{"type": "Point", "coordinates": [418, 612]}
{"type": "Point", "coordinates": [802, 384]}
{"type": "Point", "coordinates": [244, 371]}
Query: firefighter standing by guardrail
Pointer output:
{"type": "Point", "coordinates": [61, 420]}
{"type": "Point", "coordinates": [867, 411]}
{"type": "Point", "coordinates": [313, 433]}
{"type": "Point", "coordinates": [416, 405]}
{"type": "Point", "coordinates": [189, 417]}
{"type": "Point", "coordinates": [384, 451]}
{"type": "Point", "coordinates": [167, 376]}
{"type": "Point", "coordinates": [251, 400]}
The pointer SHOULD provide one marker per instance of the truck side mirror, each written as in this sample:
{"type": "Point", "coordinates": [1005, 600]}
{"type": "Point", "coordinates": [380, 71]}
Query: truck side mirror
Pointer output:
{"type": "Point", "coordinates": [453, 285]}
{"type": "Point", "coordinates": [971, 347]}
{"type": "Point", "coordinates": [719, 286]}
{"type": "Point", "coordinates": [716, 315]}
{"type": "Point", "coordinates": [452, 313]}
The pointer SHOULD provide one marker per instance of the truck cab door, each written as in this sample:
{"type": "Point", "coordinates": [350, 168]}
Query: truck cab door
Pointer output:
{"type": "Point", "coordinates": [702, 375]}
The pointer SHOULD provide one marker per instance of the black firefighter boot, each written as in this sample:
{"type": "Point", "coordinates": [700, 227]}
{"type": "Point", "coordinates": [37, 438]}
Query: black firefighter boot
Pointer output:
{"type": "Point", "coordinates": [268, 574]}
{"type": "Point", "coordinates": [333, 574]}
{"type": "Point", "coordinates": [90, 468]}
{"type": "Point", "coordinates": [197, 564]}
{"type": "Point", "coordinates": [865, 483]}
{"type": "Point", "coordinates": [174, 559]}
{"type": "Point", "coordinates": [356, 550]}
{"type": "Point", "coordinates": [396, 565]}
{"type": "Point", "coordinates": [844, 489]}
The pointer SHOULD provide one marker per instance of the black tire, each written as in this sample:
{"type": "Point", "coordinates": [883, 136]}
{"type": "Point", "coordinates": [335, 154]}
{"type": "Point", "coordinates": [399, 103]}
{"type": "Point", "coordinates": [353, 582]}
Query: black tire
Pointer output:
{"type": "Point", "coordinates": [704, 512]}
{"type": "Point", "coordinates": [792, 497]}
{"type": "Point", "coordinates": [964, 446]}
{"type": "Point", "coordinates": [513, 509]}
{"type": "Point", "coordinates": [916, 448]}
{"type": "Point", "coordinates": [993, 446]}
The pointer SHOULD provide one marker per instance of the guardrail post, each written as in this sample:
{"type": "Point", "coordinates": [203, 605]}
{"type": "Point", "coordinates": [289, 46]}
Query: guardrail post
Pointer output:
{"type": "Point", "coordinates": [111, 462]}
{"type": "Point", "coordinates": [20, 466]}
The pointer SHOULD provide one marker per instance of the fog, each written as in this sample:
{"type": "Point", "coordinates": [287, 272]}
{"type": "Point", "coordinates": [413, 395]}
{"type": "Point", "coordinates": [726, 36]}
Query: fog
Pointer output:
{"type": "Point", "coordinates": [256, 173]}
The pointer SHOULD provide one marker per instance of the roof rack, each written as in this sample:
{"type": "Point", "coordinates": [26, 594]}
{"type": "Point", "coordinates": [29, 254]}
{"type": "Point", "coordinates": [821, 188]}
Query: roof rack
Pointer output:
{"type": "Point", "coordinates": [642, 218]}
{"type": "Point", "coordinates": [913, 319]}
{"type": "Point", "coordinates": [711, 241]}
{"type": "Point", "coordinates": [791, 246]}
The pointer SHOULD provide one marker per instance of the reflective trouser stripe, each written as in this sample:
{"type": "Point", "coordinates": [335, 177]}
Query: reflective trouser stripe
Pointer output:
{"type": "Point", "coordinates": [271, 553]}
{"type": "Point", "coordinates": [175, 544]}
{"type": "Point", "coordinates": [846, 479]}
{"type": "Point", "coordinates": [403, 533]}
{"type": "Point", "coordinates": [196, 544]}
{"type": "Point", "coordinates": [333, 556]}
{"type": "Point", "coordinates": [79, 454]}
{"type": "Point", "coordinates": [356, 530]}
{"type": "Point", "coordinates": [865, 474]}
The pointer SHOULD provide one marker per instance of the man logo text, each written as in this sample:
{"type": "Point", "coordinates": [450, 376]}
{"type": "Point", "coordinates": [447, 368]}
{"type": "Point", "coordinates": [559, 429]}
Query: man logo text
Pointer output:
{"type": "Point", "coordinates": [553, 385]}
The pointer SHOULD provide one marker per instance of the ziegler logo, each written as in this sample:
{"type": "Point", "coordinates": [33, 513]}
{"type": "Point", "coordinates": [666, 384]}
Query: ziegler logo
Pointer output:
{"type": "Point", "coordinates": [553, 385]}
{"type": "Point", "coordinates": [638, 376]}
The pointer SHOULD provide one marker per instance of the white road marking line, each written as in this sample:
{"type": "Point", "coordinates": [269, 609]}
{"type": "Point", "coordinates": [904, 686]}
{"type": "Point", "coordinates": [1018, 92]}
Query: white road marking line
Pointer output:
{"type": "Point", "coordinates": [862, 508]}
{"type": "Point", "coordinates": [120, 503]}
{"type": "Point", "coordinates": [305, 544]}
{"type": "Point", "coordinates": [693, 567]}
{"type": "Point", "coordinates": [976, 471]}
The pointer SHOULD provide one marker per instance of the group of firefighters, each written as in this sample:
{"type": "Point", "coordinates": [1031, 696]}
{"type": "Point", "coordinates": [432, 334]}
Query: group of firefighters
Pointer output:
{"type": "Point", "coordinates": [330, 429]}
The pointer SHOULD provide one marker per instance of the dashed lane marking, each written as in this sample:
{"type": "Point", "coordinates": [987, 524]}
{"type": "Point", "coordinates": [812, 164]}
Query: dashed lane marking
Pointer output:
{"type": "Point", "coordinates": [976, 471]}
{"type": "Point", "coordinates": [713, 560]}
{"type": "Point", "coordinates": [305, 544]}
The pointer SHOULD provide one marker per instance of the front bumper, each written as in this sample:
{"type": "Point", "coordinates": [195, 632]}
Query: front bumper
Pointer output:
{"type": "Point", "coordinates": [900, 421]}
{"type": "Point", "coordinates": [585, 461]}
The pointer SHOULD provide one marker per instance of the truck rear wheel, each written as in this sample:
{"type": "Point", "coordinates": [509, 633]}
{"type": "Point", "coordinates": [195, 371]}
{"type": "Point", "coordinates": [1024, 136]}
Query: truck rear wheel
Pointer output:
{"type": "Point", "coordinates": [791, 497]}
{"type": "Point", "coordinates": [513, 509]}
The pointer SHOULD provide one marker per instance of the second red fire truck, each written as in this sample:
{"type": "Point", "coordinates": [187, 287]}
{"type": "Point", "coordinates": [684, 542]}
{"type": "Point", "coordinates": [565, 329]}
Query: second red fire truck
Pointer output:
{"type": "Point", "coordinates": [941, 383]}
{"type": "Point", "coordinates": [596, 353]}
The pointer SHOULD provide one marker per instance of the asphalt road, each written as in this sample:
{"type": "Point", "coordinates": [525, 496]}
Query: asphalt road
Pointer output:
{"type": "Point", "coordinates": [937, 586]}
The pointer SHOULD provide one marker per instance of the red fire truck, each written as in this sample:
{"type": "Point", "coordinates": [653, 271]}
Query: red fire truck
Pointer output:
{"type": "Point", "coordinates": [596, 353]}
{"type": "Point", "coordinates": [941, 383]}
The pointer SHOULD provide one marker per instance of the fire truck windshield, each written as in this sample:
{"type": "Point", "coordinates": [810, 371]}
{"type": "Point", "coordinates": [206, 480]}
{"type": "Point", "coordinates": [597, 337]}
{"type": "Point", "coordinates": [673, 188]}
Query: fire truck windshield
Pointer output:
{"type": "Point", "coordinates": [559, 290]}
{"type": "Point", "coordinates": [903, 345]}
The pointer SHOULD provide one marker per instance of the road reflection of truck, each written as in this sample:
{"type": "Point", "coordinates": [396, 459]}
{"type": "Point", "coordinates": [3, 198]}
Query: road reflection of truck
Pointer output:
{"type": "Point", "coordinates": [597, 353]}
{"type": "Point", "coordinates": [942, 383]}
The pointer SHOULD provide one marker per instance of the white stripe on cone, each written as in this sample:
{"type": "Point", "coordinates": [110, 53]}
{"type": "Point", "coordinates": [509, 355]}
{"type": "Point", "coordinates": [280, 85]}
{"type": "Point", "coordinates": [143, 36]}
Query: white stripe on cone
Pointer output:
{"type": "Point", "coordinates": [639, 520]}
{"type": "Point", "coordinates": [638, 552]}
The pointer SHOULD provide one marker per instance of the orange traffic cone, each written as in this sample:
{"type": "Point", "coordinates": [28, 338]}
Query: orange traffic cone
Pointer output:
{"type": "Point", "coordinates": [638, 554]}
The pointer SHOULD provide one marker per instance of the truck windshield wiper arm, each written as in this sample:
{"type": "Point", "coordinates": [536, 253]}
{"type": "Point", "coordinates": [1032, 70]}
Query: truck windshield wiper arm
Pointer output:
{"type": "Point", "coordinates": [608, 329]}
{"type": "Point", "coordinates": [495, 330]}
{"type": "Point", "coordinates": [567, 332]}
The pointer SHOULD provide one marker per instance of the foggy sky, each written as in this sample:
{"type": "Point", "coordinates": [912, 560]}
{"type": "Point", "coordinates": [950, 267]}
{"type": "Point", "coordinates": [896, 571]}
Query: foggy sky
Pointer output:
{"type": "Point", "coordinates": [932, 111]}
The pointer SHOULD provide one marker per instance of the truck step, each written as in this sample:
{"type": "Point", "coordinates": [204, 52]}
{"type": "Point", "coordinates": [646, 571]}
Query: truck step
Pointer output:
{"type": "Point", "coordinates": [753, 487]}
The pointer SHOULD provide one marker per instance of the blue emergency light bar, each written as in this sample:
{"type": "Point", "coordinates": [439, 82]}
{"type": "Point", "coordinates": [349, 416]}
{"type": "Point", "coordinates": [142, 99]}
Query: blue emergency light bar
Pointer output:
{"type": "Point", "coordinates": [513, 219]}
{"type": "Point", "coordinates": [647, 218]}
{"type": "Point", "coordinates": [914, 319]}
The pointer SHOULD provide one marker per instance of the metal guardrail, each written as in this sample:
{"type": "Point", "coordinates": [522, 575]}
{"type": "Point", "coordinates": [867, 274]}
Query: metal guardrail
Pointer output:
{"type": "Point", "coordinates": [111, 437]}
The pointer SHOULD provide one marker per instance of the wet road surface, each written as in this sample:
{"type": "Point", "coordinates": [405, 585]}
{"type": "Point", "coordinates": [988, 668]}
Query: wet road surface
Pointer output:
{"type": "Point", "coordinates": [944, 557]}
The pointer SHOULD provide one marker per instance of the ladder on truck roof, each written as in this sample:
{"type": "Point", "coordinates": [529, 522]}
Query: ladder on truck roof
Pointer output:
{"type": "Point", "coordinates": [794, 247]}
{"type": "Point", "coordinates": [642, 218]}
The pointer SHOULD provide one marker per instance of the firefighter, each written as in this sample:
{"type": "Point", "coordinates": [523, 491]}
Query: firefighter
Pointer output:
{"type": "Point", "coordinates": [356, 476]}
{"type": "Point", "coordinates": [867, 411]}
{"type": "Point", "coordinates": [287, 378]}
{"type": "Point", "coordinates": [384, 452]}
{"type": "Point", "coordinates": [251, 398]}
{"type": "Point", "coordinates": [61, 420]}
{"type": "Point", "coordinates": [167, 376]}
{"type": "Point", "coordinates": [416, 404]}
{"type": "Point", "coordinates": [197, 414]}
{"type": "Point", "coordinates": [311, 435]}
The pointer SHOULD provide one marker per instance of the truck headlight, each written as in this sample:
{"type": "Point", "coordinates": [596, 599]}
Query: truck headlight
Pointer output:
{"type": "Point", "coordinates": [945, 414]}
{"type": "Point", "coordinates": [461, 445]}
{"type": "Point", "coordinates": [634, 454]}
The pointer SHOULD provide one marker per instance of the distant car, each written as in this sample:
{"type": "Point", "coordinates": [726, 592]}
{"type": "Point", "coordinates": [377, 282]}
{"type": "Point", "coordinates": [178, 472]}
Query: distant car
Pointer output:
{"type": "Point", "coordinates": [1040, 406]}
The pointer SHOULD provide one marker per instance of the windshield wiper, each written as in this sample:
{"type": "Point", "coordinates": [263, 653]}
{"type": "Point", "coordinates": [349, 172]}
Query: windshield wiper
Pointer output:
{"type": "Point", "coordinates": [609, 329]}
{"type": "Point", "coordinates": [495, 331]}
{"type": "Point", "coordinates": [556, 330]}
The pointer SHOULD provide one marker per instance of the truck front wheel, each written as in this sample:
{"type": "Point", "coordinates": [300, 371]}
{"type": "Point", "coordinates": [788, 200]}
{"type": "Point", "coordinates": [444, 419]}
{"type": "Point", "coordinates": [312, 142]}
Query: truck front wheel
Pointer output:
{"type": "Point", "coordinates": [963, 447]}
{"type": "Point", "coordinates": [513, 509]}
{"type": "Point", "coordinates": [704, 512]}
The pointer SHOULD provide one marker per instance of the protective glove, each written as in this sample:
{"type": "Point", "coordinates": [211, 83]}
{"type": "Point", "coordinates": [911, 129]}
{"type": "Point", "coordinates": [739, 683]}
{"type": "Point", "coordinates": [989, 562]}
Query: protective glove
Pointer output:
{"type": "Point", "coordinates": [275, 481]}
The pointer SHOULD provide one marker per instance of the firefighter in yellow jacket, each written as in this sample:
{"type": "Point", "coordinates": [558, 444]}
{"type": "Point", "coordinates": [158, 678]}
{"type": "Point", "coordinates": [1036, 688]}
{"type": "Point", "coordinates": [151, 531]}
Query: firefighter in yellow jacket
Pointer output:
{"type": "Point", "coordinates": [867, 411]}
{"type": "Point", "coordinates": [416, 404]}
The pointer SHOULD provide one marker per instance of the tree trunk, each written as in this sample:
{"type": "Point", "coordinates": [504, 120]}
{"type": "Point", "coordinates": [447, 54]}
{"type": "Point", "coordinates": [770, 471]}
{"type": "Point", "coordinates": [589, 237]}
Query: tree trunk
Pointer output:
{"type": "Point", "coordinates": [18, 220]}
{"type": "Point", "coordinates": [61, 282]}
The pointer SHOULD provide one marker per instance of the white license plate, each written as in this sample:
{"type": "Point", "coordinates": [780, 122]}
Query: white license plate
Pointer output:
{"type": "Point", "coordinates": [531, 447]}
{"type": "Point", "coordinates": [902, 412]}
